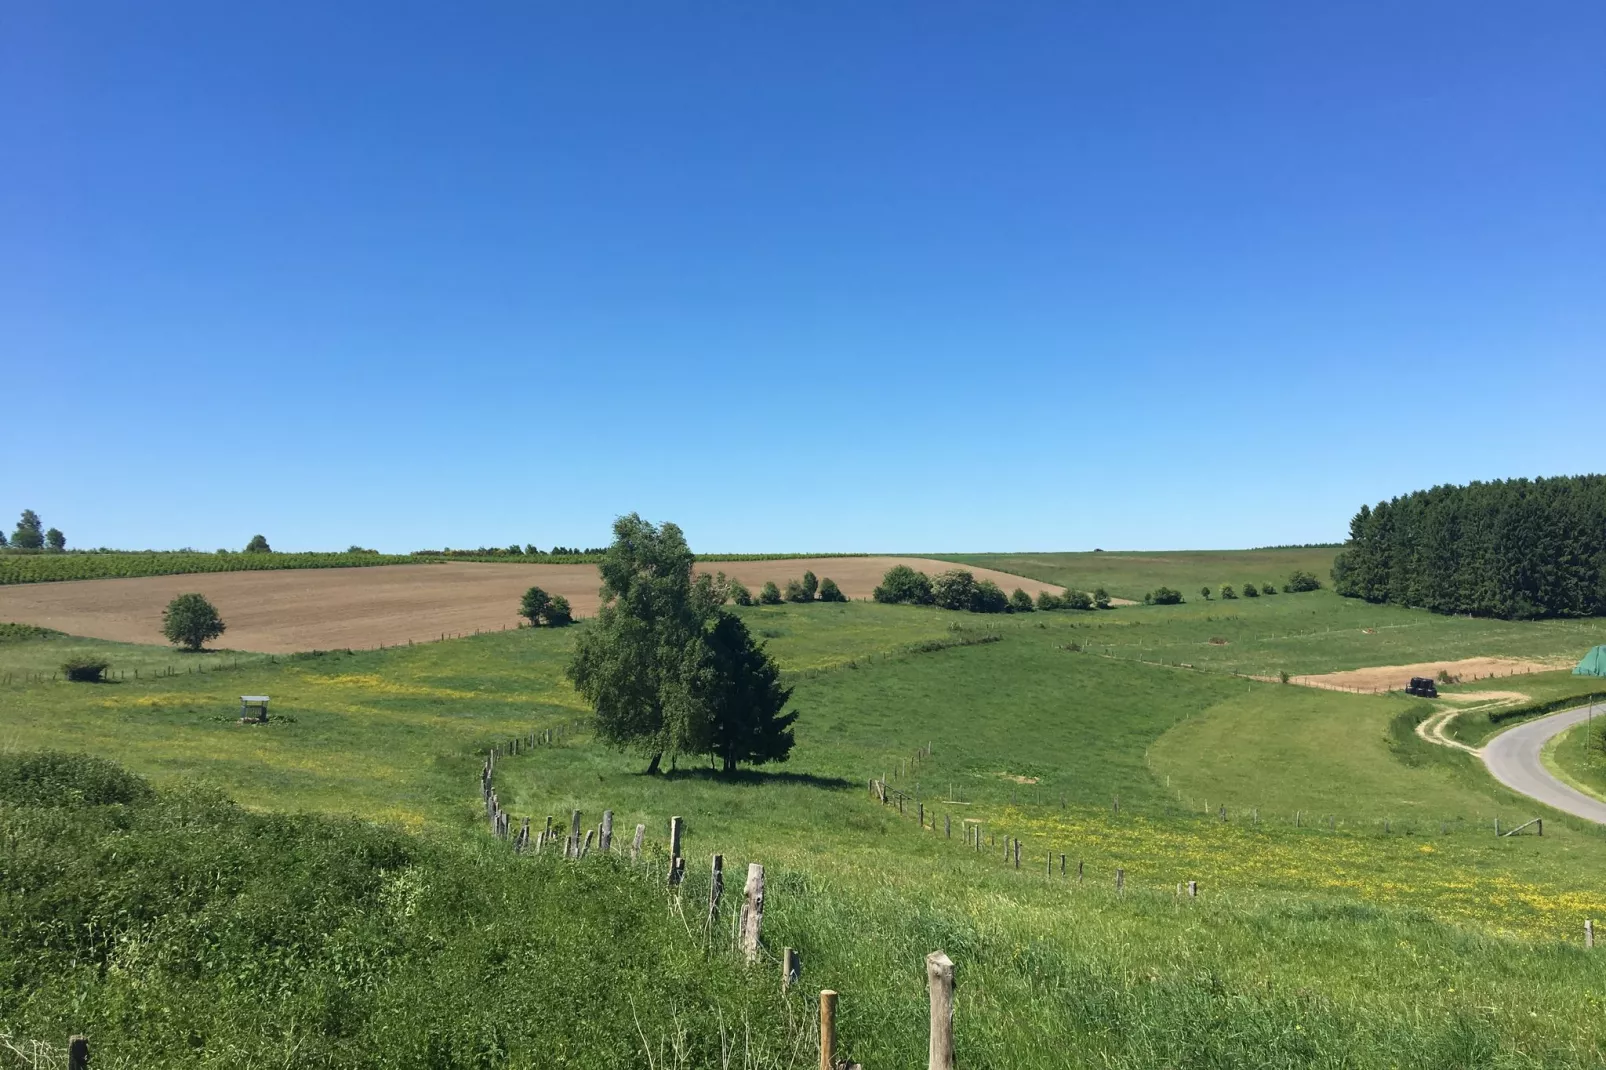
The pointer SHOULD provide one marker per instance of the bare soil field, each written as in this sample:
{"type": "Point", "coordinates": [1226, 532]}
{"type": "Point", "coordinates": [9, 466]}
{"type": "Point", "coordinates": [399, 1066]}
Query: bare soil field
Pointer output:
{"type": "Point", "coordinates": [1384, 677]}
{"type": "Point", "coordinates": [331, 609]}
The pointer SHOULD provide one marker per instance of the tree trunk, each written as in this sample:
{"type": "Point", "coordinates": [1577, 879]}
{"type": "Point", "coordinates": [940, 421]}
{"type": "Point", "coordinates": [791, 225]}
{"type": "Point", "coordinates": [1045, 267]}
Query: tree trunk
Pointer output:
{"type": "Point", "coordinates": [652, 766]}
{"type": "Point", "coordinates": [730, 764]}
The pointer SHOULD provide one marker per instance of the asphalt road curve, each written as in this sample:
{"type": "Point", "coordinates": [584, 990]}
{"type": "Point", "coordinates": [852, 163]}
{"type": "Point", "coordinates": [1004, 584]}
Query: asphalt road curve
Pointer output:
{"type": "Point", "coordinates": [1513, 759]}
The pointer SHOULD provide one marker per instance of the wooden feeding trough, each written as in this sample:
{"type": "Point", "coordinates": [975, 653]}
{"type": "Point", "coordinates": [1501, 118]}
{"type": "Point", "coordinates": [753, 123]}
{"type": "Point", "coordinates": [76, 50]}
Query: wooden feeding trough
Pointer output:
{"type": "Point", "coordinates": [253, 709]}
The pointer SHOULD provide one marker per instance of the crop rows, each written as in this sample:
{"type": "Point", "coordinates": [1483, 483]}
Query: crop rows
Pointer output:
{"type": "Point", "coordinates": [43, 568]}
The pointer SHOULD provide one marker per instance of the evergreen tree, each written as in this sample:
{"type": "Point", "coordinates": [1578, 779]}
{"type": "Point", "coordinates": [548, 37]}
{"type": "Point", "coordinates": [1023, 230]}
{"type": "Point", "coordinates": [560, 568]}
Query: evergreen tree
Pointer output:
{"type": "Point", "coordinates": [29, 535]}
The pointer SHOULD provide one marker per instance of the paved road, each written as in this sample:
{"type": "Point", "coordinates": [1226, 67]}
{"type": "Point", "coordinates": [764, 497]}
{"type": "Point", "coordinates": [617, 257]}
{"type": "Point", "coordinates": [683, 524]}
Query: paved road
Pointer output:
{"type": "Point", "coordinates": [1513, 759]}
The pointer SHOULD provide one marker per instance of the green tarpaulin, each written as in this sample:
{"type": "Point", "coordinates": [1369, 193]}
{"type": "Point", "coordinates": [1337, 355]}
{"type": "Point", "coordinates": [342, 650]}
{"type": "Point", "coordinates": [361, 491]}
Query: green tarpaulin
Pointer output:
{"type": "Point", "coordinates": [1594, 663]}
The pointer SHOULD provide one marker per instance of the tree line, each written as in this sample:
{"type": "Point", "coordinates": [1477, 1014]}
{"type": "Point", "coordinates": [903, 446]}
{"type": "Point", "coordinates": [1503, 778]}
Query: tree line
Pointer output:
{"type": "Point", "coordinates": [1517, 549]}
{"type": "Point", "coordinates": [31, 534]}
{"type": "Point", "coordinates": [959, 589]}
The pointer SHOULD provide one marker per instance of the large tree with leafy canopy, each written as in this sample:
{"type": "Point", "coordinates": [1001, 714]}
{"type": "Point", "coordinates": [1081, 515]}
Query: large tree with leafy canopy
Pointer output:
{"type": "Point", "coordinates": [665, 668]}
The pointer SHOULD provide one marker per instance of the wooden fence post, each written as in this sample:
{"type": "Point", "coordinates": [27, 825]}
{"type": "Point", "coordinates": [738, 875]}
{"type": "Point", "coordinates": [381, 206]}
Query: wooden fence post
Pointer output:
{"type": "Point", "coordinates": [585, 848]}
{"type": "Point", "coordinates": [676, 828]}
{"type": "Point", "coordinates": [940, 980]}
{"type": "Point", "coordinates": [791, 969]}
{"type": "Point", "coordinates": [1589, 933]}
{"type": "Point", "coordinates": [827, 1029]}
{"type": "Point", "coordinates": [635, 845]}
{"type": "Point", "coordinates": [1017, 854]}
{"type": "Point", "coordinates": [716, 889]}
{"type": "Point", "coordinates": [571, 849]}
{"type": "Point", "coordinates": [1193, 889]}
{"type": "Point", "coordinates": [1120, 879]}
{"type": "Point", "coordinates": [752, 918]}
{"type": "Point", "coordinates": [947, 826]}
{"type": "Point", "coordinates": [605, 842]}
{"type": "Point", "coordinates": [78, 1053]}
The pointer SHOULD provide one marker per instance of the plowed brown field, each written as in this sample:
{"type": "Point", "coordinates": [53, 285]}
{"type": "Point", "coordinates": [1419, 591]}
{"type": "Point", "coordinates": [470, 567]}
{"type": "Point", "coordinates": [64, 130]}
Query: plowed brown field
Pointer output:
{"type": "Point", "coordinates": [330, 609]}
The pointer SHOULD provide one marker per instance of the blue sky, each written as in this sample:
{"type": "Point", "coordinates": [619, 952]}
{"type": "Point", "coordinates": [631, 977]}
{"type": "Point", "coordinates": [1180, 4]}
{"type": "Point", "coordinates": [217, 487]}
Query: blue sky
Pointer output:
{"type": "Point", "coordinates": [836, 276]}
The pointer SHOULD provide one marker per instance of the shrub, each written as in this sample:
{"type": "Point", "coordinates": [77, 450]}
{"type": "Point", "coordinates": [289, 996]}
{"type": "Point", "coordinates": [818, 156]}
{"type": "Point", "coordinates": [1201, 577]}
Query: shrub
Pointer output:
{"type": "Point", "coordinates": [1269, 588]}
{"type": "Point", "coordinates": [1251, 591]}
{"type": "Point", "coordinates": [85, 670]}
{"type": "Point", "coordinates": [1204, 592]}
{"type": "Point", "coordinates": [904, 584]}
{"type": "Point", "coordinates": [810, 585]}
{"type": "Point", "coordinates": [1048, 600]}
{"type": "Point", "coordinates": [953, 589]}
{"type": "Point", "coordinates": [190, 620]}
{"type": "Point", "coordinates": [1075, 599]}
{"type": "Point", "coordinates": [1020, 601]}
{"type": "Point", "coordinates": [1101, 598]}
{"type": "Point", "coordinates": [988, 597]}
{"type": "Point", "coordinates": [1164, 596]}
{"type": "Point", "coordinates": [796, 592]}
{"type": "Point", "coordinates": [534, 604]}
{"type": "Point", "coordinates": [830, 592]}
{"type": "Point", "coordinates": [558, 612]}
{"type": "Point", "coordinates": [1300, 581]}
{"type": "Point", "coordinates": [1227, 593]}
{"type": "Point", "coordinates": [1283, 676]}
{"type": "Point", "coordinates": [769, 595]}
{"type": "Point", "coordinates": [258, 545]}
{"type": "Point", "coordinates": [740, 594]}
{"type": "Point", "coordinates": [52, 778]}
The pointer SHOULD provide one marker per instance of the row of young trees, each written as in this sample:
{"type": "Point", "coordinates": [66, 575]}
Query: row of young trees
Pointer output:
{"type": "Point", "coordinates": [30, 534]}
{"type": "Point", "coordinates": [1518, 549]}
{"type": "Point", "coordinates": [960, 589]}
{"type": "Point", "coordinates": [1299, 581]}
{"type": "Point", "coordinates": [670, 672]}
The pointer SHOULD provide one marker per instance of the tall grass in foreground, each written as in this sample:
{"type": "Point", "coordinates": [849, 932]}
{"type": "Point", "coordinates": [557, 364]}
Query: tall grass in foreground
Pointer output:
{"type": "Point", "coordinates": [178, 930]}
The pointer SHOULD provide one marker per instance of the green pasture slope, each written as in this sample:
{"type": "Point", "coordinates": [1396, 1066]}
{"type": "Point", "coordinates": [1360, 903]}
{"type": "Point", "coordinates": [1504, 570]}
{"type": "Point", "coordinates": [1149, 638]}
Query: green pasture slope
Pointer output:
{"type": "Point", "coordinates": [181, 931]}
{"type": "Point", "coordinates": [1132, 573]}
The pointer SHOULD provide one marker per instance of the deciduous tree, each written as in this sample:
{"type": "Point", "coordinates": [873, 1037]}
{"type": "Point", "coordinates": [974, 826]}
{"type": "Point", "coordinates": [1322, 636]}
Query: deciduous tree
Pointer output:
{"type": "Point", "coordinates": [191, 621]}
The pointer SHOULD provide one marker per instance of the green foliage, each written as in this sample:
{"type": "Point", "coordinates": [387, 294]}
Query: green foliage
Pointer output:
{"type": "Point", "coordinates": [56, 779]}
{"type": "Point", "coordinates": [29, 535]}
{"type": "Point", "coordinates": [190, 621]}
{"type": "Point", "coordinates": [533, 606]}
{"type": "Point", "coordinates": [811, 585]}
{"type": "Point", "coordinates": [1251, 591]}
{"type": "Point", "coordinates": [258, 545]}
{"type": "Point", "coordinates": [1204, 592]}
{"type": "Point", "coordinates": [1075, 599]}
{"type": "Point", "coordinates": [954, 589]}
{"type": "Point", "coordinates": [55, 541]}
{"type": "Point", "coordinates": [1128, 574]}
{"type": "Point", "coordinates": [1268, 588]}
{"type": "Point", "coordinates": [1020, 601]}
{"type": "Point", "coordinates": [1101, 598]}
{"type": "Point", "coordinates": [902, 584]}
{"type": "Point", "coordinates": [740, 594]}
{"type": "Point", "coordinates": [91, 565]}
{"type": "Point", "coordinates": [797, 592]}
{"type": "Point", "coordinates": [85, 670]}
{"type": "Point", "coordinates": [1301, 582]}
{"type": "Point", "coordinates": [1048, 601]}
{"type": "Point", "coordinates": [830, 592]}
{"type": "Point", "coordinates": [558, 614]}
{"type": "Point", "coordinates": [708, 593]}
{"type": "Point", "coordinates": [666, 669]}
{"type": "Point", "coordinates": [769, 594]}
{"type": "Point", "coordinates": [988, 597]}
{"type": "Point", "coordinates": [1164, 596]}
{"type": "Point", "coordinates": [17, 633]}
{"type": "Point", "coordinates": [1227, 593]}
{"type": "Point", "coordinates": [1516, 549]}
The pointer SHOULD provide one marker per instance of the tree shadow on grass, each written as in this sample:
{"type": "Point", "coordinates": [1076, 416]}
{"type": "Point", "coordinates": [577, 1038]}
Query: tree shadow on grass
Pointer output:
{"type": "Point", "coordinates": [758, 776]}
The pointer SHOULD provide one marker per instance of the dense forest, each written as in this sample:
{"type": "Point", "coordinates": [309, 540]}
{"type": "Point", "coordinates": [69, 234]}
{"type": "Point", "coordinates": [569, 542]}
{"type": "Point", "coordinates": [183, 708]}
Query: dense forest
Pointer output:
{"type": "Point", "coordinates": [1516, 548]}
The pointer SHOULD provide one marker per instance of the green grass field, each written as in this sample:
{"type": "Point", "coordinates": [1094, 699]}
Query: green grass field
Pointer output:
{"type": "Point", "coordinates": [1130, 574]}
{"type": "Point", "coordinates": [1402, 934]}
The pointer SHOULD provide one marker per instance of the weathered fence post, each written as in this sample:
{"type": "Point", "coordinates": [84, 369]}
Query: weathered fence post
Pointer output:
{"type": "Point", "coordinates": [940, 980]}
{"type": "Point", "coordinates": [920, 812]}
{"type": "Point", "coordinates": [1120, 879]}
{"type": "Point", "coordinates": [572, 848]}
{"type": "Point", "coordinates": [791, 969]}
{"type": "Point", "coordinates": [676, 827]}
{"type": "Point", "coordinates": [947, 826]}
{"type": "Point", "coordinates": [827, 1029]}
{"type": "Point", "coordinates": [78, 1053]}
{"type": "Point", "coordinates": [635, 845]}
{"type": "Point", "coordinates": [605, 842]}
{"type": "Point", "coordinates": [1193, 889]}
{"type": "Point", "coordinates": [1017, 854]}
{"type": "Point", "coordinates": [1589, 933]}
{"type": "Point", "coordinates": [585, 848]}
{"type": "Point", "coordinates": [716, 889]}
{"type": "Point", "coordinates": [752, 918]}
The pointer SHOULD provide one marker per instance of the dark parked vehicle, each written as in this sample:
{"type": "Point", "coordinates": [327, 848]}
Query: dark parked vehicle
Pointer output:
{"type": "Point", "coordinates": [1423, 687]}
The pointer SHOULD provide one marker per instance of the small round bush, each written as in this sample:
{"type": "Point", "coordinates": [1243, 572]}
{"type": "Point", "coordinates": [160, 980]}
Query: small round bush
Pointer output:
{"type": "Point", "coordinates": [830, 592]}
{"type": "Point", "coordinates": [769, 594]}
{"type": "Point", "coordinates": [85, 670]}
{"type": "Point", "coordinates": [903, 584]}
{"type": "Point", "coordinates": [1020, 601]}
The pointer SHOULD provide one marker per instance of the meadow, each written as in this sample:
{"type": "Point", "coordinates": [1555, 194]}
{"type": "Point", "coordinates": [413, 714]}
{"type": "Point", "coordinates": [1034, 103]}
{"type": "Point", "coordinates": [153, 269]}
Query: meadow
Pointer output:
{"type": "Point", "coordinates": [1131, 573]}
{"type": "Point", "coordinates": [1383, 926]}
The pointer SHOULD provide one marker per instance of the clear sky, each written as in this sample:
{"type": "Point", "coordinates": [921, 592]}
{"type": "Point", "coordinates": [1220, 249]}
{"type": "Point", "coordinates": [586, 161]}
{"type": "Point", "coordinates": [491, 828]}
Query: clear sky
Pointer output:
{"type": "Point", "coordinates": [824, 276]}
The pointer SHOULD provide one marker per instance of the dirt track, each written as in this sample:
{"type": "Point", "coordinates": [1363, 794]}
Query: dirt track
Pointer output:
{"type": "Point", "coordinates": [1383, 677]}
{"type": "Point", "coordinates": [329, 609]}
